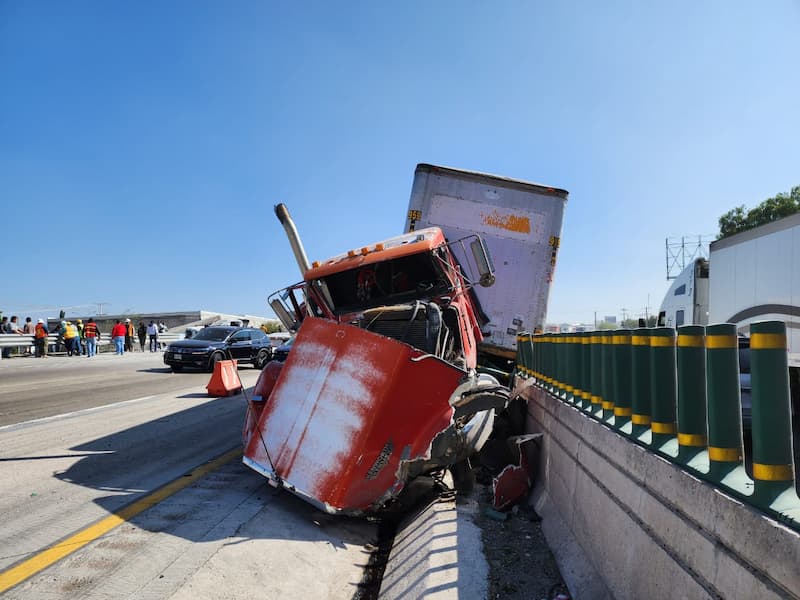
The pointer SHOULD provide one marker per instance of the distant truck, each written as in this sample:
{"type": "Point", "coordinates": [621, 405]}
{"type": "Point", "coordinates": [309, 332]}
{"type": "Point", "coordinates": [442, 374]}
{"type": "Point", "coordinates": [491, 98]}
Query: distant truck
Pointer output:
{"type": "Point", "coordinates": [750, 276]}
{"type": "Point", "coordinates": [520, 223]}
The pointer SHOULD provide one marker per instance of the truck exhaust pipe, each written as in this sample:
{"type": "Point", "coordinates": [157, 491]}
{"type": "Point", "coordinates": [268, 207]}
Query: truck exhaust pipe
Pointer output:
{"type": "Point", "coordinates": [294, 238]}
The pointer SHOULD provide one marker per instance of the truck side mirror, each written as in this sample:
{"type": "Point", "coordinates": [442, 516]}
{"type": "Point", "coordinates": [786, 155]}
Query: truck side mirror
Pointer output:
{"type": "Point", "coordinates": [484, 261]}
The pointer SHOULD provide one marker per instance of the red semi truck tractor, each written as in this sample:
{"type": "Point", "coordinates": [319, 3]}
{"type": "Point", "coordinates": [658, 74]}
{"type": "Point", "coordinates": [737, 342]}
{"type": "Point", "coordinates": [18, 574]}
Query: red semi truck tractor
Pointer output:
{"type": "Point", "coordinates": [381, 383]}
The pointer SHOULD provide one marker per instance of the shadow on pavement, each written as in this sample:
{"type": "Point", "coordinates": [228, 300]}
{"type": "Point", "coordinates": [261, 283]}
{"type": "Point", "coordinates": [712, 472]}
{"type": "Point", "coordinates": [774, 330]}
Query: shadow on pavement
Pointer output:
{"type": "Point", "coordinates": [137, 461]}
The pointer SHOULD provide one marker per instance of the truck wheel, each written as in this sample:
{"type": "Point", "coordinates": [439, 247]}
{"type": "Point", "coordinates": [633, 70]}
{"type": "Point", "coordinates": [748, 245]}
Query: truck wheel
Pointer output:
{"type": "Point", "coordinates": [176, 368]}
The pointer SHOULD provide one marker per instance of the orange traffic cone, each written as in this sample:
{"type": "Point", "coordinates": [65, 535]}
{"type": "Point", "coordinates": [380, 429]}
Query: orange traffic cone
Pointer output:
{"type": "Point", "coordinates": [224, 380]}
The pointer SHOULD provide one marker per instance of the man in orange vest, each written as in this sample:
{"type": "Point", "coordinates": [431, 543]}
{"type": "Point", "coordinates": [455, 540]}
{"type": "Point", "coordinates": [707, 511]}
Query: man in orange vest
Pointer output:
{"type": "Point", "coordinates": [40, 339]}
{"type": "Point", "coordinates": [91, 335]}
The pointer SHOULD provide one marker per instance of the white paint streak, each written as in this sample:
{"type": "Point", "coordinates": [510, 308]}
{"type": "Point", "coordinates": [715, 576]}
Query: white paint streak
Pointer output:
{"type": "Point", "coordinates": [317, 413]}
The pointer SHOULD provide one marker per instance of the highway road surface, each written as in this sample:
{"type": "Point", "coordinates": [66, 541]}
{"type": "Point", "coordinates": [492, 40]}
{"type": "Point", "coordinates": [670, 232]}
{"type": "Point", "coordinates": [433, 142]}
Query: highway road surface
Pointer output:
{"type": "Point", "coordinates": [120, 479]}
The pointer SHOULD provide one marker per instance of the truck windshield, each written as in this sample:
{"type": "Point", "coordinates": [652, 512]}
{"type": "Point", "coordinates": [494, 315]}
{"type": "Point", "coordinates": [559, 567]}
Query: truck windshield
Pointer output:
{"type": "Point", "coordinates": [390, 282]}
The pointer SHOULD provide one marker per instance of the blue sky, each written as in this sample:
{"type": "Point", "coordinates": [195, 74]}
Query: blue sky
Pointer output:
{"type": "Point", "coordinates": [143, 145]}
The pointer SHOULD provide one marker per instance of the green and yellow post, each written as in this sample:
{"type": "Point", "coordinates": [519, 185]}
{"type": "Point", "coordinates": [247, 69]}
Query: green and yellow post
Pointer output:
{"type": "Point", "coordinates": [608, 376]}
{"type": "Point", "coordinates": [725, 448]}
{"type": "Point", "coordinates": [586, 369]}
{"type": "Point", "coordinates": [663, 388]}
{"type": "Point", "coordinates": [691, 362]}
{"type": "Point", "coordinates": [596, 409]}
{"type": "Point", "coordinates": [773, 464]}
{"type": "Point", "coordinates": [622, 378]}
{"type": "Point", "coordinates": [641, 401]}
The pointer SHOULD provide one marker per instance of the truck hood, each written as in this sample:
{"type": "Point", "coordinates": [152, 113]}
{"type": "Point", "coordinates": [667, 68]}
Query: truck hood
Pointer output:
{"type": "Point", "coordinates": [350, 415]}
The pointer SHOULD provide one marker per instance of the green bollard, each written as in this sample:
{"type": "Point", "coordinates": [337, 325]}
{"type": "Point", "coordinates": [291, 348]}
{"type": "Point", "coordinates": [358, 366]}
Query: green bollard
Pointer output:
{"type": "Point", "coordinates": [586, 369]}
{"type": "Point", "coordinates": [773, 465]}
{"type": "Point", "coordinates": [725, 448]}
{"type": "Point", "coordinates": [596, 407]}
{"type": "Point", "coordinates": [641, 401]}
{"type": "Point", "coordinates": [538, 359]}
{"type": "Point", "coordinates": [608, 376]}
{"type": "Point", "coordinates": [551, 364]}
{"type": "Point", "coordinates": [567, 367]}
{"type": "Point", "coordinates": [622, 379]}
{"type": "Point", "coordinates": [576, 370]}
{"type": "Point", "coordinates": [663, 390]}
{"type": "Point", "coordinates": [691, 363]}
{"type": "Point", "coordinates": [560, 365]}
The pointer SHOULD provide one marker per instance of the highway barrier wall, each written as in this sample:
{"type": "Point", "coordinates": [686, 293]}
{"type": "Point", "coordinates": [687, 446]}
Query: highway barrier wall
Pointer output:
{"type": "Point", "coordinates": [644, 483]}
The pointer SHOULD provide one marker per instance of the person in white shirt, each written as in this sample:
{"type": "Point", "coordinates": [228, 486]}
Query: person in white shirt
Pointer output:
{"type": "Point", "coordinates": [152, 333]}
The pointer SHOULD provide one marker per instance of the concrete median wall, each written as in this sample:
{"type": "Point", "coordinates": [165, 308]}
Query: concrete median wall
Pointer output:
{"type": "Point", "coordinates": [625, 523]}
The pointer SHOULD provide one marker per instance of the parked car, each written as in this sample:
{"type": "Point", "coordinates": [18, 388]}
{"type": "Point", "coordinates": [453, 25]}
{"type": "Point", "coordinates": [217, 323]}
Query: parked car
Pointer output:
{"type": "Point", "coordinates": [282, 352]}
{"type": "Point", "coordinates": [213, 344]}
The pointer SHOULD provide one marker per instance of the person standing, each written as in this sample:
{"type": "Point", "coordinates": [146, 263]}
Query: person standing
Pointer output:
{"type": "Point", "coordinates": [129, 333]}
{"type": "Point", "coordinates": [70, 337]}
{"type": "Point", "coordinates": [40, 339]}
{"type": "Point", "coordinates": [142, 332]}
{"type": "Point", "coordinates": [118, 337]}
{"type": "Point", "coordinates": [29, 328]}
{"type": "Point", "coordinates": [91, 335]}
{"type": "Point", "coordinates": [13, 326]}
{"type": "Point", "coordinates": [80, 340]}
{"type": "Point", "coordinates": [152, 331]}
{"type": "Point", "coordinates": [62, 327]}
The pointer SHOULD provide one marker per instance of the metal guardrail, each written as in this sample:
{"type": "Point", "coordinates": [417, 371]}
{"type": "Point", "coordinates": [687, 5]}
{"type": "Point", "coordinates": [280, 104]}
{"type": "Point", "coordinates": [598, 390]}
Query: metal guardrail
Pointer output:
{"type": "Point", "coordinates": [677, 393]}
{"type": "Point", "coordinates": [14, 340]}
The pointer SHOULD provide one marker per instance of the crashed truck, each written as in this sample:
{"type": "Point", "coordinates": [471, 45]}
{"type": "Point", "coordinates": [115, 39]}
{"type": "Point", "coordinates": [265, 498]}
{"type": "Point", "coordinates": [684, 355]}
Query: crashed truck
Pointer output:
{"type": "Point", "coordinates": [382, 383]}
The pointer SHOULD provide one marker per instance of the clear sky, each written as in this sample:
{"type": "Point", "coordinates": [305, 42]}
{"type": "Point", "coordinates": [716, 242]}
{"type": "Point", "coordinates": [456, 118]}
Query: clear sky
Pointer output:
{"type": "Point", "coordinates": [144, 144]}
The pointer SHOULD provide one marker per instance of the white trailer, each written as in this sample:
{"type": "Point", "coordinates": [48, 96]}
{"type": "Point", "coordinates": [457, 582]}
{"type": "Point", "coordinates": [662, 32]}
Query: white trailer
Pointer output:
{"type": "Point", "coordinates": [755, 276]}
{"type": "Point", "coordinates": [751, 276]}
{"type": "Point", "coordinates": [521, 225]}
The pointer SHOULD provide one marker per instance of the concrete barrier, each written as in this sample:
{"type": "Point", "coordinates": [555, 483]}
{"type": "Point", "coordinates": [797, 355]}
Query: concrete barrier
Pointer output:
{"type": "Point", "coordinates": [622, 518]}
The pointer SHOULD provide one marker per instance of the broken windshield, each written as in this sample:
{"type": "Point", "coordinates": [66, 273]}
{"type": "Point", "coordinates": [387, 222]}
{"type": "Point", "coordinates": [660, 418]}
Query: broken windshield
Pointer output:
{"type": "Point", "coordinates": [385, 283]}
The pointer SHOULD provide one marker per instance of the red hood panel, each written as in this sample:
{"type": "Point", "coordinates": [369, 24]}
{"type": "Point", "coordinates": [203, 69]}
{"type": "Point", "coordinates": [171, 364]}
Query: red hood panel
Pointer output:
{"type": "Point", "coordinates": [348, 405]}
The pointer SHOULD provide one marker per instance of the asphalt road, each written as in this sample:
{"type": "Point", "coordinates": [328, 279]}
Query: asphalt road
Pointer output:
{"type": "Point", "coordinates": [84, 445]}
{"type": "Point", "coordinates": [32, 388]}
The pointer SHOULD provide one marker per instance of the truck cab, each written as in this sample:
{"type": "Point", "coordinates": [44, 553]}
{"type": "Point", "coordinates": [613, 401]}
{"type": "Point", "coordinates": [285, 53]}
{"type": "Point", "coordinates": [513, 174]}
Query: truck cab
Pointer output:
{"type": "Point", "coordinates": [381, 383]}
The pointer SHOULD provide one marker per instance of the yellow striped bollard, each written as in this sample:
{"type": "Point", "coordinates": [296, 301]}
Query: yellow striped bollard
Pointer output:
{"type": "Point", "coordinates": [691, 362]}
{"type": "Point", "coordinates": [596, 408]}
{"type": "Point", "coordinates": [608, 376]}
{"type": "Point", "coordinates": [641, 400]}
{"type": "Point", "coordinates": [662, 386]}
{"type": "Point", "coordinates": [586, 370]}
{"type": "Point", "coordinates": [622, 377]}
{"type": "Point", "coordinates": [773, 463]}
{"type": "Point", "coordinates": [725, 451]}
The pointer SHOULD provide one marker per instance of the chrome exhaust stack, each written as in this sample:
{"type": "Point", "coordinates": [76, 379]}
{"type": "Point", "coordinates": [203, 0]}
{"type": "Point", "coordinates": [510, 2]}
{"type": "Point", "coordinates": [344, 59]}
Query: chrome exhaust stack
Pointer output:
{"type": "Point", "coordinates": [294, 238]}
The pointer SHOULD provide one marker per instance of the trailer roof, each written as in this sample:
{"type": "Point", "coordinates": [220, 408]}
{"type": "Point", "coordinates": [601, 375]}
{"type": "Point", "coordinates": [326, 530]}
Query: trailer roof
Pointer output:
{"type": "Point", "coordinates": [756, 232]}
{"type": "Point", "coordinates": [502, 181]}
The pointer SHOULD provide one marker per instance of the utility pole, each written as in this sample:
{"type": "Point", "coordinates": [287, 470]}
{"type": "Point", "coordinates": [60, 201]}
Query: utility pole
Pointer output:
{"type": "Point", "coordinates": [624, 315]}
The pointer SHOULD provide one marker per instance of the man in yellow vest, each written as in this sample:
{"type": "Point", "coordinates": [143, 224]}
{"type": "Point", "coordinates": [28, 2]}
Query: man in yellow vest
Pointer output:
{"type": "Point", "coordinates": [70, 339]}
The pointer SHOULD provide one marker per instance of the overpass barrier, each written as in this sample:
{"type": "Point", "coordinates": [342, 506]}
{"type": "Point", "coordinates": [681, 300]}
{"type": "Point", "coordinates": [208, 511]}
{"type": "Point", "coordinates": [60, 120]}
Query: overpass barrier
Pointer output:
{"type": "Point", "coordinates": [643, 464]}
{"type": "Point", "coordinates": [26, 342]}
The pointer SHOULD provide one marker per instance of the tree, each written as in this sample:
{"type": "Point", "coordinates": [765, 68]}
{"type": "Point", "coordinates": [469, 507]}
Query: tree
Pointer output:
{"type": "Point", "coordinates": [771, 209]}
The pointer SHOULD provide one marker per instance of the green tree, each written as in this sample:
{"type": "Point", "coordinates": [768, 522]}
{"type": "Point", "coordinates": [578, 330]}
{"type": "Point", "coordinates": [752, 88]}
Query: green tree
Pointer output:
{"type": "Point", "coordinates": [740, 219]}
